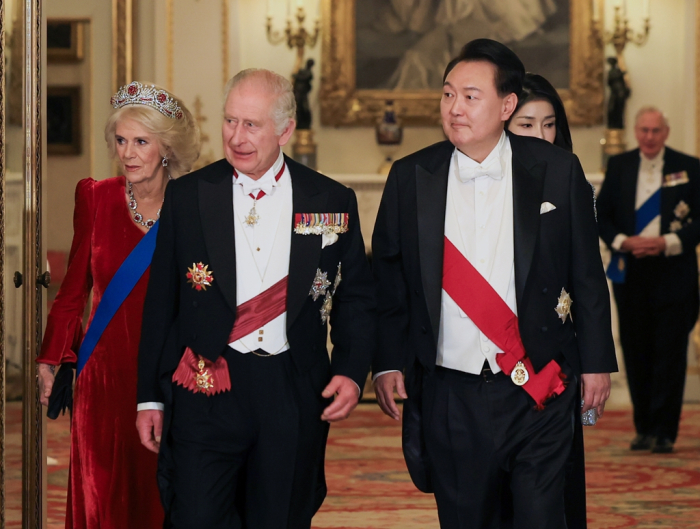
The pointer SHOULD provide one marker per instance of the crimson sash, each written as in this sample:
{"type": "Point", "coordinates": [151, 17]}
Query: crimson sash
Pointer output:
{"type": "Point", "coordinates": [475, 296]}
{"type": "Point", "coordinates": [200, 375]}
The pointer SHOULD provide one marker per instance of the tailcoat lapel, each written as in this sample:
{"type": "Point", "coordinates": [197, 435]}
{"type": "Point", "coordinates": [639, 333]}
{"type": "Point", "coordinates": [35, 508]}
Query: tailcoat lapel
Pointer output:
{"type": "Point", "coordinates": [431, 198]}
{"type": "Point", "coordinates": [216, 214]}
{"type": "Point", "coordinates": [628, 190]}
{"type": "Point", "coordinates": [528, 185]}
{"type": "Point", "coordinates": [305, 249]}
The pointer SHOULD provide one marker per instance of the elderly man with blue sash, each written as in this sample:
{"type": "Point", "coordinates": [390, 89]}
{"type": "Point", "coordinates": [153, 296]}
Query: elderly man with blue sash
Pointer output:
{"type": "Point", "coordinates": [646, 210]}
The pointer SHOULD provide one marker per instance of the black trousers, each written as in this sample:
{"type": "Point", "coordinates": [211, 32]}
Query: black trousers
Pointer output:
{"type": "Point", "coordinates": [484, 434]}
{"type": "Point", "coordinates": [654, 339]}
{"type": "Point", "coordinates": [252, 457]}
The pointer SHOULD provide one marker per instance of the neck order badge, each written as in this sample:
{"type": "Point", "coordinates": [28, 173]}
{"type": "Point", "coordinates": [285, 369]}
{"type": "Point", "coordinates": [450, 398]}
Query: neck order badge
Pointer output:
{"type": "Point", "coordinates": [252, 218]}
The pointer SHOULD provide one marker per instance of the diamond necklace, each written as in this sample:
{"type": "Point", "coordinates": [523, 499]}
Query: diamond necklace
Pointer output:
{"type": "Point", "coordinates": [138, 218]}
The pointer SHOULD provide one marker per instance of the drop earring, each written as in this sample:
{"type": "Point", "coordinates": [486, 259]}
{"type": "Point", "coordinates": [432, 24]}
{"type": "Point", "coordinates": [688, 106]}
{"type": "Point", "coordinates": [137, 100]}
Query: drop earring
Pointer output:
{"type": "Point", "coordinates": [164, 162]}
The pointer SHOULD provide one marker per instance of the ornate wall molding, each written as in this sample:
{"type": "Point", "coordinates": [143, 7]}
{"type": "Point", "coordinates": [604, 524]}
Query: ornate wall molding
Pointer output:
{"type": "Point", "coordinates": [123, 38]}
{"type": "Point", "coordinates": [342, 104]}
{"type": "Point", "coordinates": [224, 41]}
{"type": "Point", "coordinates": [3, 271]}
{"type": "Point", "coordinates": [169, 44]}
{"type": "Point", "coordinates": [33, 462]}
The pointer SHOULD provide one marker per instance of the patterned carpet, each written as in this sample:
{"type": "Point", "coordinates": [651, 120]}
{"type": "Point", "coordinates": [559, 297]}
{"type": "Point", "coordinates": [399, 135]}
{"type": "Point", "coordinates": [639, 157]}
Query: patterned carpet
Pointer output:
{"type": "Point", "coordinates": [370, 489]}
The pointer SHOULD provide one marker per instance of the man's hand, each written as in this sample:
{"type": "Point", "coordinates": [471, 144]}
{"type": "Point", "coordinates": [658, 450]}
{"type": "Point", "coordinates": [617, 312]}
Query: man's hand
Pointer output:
{"type": "Point", "coordinates": [46, 380]}
{"type": "Point", "coordinates": [384, 388]}
{"type": "Point", "coordinates": [149, 424]}
{"type": "Point", "coordinates": [595, 388]}
{"type": "Point", "coordinates": [644, 246]}
{"type": "Point", "coordinates": [346, 397]}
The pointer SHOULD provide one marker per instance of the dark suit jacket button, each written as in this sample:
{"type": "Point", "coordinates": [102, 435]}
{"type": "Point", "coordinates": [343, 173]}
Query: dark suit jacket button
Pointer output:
{"type": "Point", "coordinates": [415, 292]}
{"type": "Point", "coordinates": [425, 331]}
{"type": "Point", "coordinates": [195, 304]}
{"type": "Point", "coordinates": [544, 290]}
{"type": "Point", "coordinates": [544, 329]}
{"type": "Point", "coordinates": [194, 336]}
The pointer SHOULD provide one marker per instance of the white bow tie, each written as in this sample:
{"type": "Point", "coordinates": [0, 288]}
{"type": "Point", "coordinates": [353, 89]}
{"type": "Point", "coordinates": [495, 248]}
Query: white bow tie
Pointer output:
{"type": "Point", "coordinates": [254, 187]}
{"type": "Point", "coordinates": [470, 173]}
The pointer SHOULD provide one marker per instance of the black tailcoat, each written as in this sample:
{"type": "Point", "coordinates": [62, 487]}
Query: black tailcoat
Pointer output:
{"type": "Point", "coordinates": [658, 302]}
{"type": "Point", "coordinates": [678, 275]}
{"type": "Point", "coordinates": [552, 251]}
{"type": "Point", "coordinates": [197, 225]}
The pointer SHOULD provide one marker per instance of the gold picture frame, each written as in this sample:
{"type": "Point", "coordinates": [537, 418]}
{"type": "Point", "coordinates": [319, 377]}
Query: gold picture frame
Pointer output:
{"type": "Point", "coordinates": [65, 40]}
{"type": "Point", "coordinates": [63, 120]}
{"type": "Point", "coordinates": [342, 104]}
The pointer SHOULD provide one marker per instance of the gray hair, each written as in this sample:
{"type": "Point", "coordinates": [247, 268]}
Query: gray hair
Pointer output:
{"type": "Point", "coordinates": [284, 108]}
{"type": "Point", "coordinates": [649, 109]}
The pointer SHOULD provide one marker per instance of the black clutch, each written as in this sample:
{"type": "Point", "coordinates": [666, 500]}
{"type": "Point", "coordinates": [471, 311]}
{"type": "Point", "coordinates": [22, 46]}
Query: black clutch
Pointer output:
{"type": "Point", "coordinates": [62, 393]}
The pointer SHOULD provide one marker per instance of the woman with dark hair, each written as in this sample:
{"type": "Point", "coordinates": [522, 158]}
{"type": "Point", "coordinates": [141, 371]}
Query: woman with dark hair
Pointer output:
{"type": "Point", "coordinates": [540, 113]}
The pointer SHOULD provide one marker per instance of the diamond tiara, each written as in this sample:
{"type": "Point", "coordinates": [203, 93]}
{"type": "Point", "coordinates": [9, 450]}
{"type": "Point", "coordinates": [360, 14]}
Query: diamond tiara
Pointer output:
{"type": "Point", "coordinates": [137, 94]}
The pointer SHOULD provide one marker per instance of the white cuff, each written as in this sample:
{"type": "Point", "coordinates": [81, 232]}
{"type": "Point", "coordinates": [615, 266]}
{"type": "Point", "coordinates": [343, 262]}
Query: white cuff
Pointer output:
{"type": "Point", "coordinates": [377, 375]}
{"type": "Point", "coordinates": [674, 246]}
{"type": "Point", "coordinates": [143, 406]}
{"type": "Point", "coordinates": [617, 241]}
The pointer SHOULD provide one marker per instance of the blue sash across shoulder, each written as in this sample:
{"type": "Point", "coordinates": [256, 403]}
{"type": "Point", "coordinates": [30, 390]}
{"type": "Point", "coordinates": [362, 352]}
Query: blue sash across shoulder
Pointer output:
{"type": "Point", "coordinates": [119, 288]}
{"type": "Point", "coordinates": [617, 269]}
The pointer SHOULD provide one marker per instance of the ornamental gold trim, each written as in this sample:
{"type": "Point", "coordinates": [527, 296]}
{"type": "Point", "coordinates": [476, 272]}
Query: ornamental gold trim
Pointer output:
{"type": "Point", "coordinates": [122, 43]}
{"type": "Point", "coordinates": [342, 104]}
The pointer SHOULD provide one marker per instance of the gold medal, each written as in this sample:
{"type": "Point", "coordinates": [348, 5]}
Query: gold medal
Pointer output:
{"type": "Point", "coordinates": [199, 276]}
{"type": "Point", "coordinates": [202, 378]}
{"type": "Point", "coordinates": [519, 375]}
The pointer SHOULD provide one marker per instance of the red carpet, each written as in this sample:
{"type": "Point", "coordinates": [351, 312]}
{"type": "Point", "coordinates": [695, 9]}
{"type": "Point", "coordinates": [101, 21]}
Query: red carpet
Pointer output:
{"type": "Point", "coordinates": [370, 489]}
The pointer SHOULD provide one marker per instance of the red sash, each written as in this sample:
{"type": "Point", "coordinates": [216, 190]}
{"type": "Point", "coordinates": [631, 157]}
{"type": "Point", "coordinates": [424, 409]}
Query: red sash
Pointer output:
{"type": "Point", "coordinates": [475, 296]}
{"type": "Point", "coordinates": [200, 375]}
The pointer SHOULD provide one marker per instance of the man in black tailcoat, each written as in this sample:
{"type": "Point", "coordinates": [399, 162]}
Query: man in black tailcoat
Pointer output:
{"type": "Point", "coordinates": [491, 291]}
{"type": "Point", "coordinates": [649, 199]}
{"type": "Point", "coordinates": [255, 255]}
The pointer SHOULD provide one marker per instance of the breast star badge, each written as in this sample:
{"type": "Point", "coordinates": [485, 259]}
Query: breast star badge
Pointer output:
{"type": "Point", "coordinates": [199, 276]}
{"type": "Point", "coordinates": [563, 308]}
{"type": "Point", "coordinates": [320, 284]}
{"type": "Point", "coordinates": [681, 210]}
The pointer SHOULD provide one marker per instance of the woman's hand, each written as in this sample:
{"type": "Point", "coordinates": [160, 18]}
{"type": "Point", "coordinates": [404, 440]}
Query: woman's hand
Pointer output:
{"type": "Point", "coordinates": [46, 379]}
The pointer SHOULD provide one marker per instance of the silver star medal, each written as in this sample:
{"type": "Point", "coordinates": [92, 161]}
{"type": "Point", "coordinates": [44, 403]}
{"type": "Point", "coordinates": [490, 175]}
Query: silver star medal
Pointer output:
{"type": "Point", "coordinates": [320, 285]}
{"type": "Point", "coordinates": [681, 210]}
{"type": "Point", "coordinates": [563, 308]}
{"type": "Point", "coordinates": [326, 308]}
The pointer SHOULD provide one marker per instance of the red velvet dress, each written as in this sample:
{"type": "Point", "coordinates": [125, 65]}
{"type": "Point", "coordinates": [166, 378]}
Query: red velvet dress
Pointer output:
{"type": "Point", "coordinates": [112, 481]}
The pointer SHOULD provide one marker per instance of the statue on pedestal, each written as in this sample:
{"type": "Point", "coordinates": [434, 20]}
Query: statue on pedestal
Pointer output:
{"type": "Point", "coordinates": [302, 87]}
{"type": "Point", "coordinates": [619, 93]}
{"type": "Point", "coordinates": [304, 148]}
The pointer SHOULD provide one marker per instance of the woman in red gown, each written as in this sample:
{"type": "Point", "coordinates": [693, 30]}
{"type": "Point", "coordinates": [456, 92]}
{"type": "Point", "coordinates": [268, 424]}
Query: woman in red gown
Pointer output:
{"type": "Point", "coordinates": [112, 480]}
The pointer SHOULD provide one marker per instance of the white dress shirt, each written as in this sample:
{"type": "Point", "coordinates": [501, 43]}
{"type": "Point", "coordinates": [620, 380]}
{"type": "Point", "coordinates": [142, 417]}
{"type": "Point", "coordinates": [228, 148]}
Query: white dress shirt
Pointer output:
{"type": "Point", "coordinates": [262, 250]}
{"type": "Point", "coordinates": [479, 222]}
{"type": "Point", "coordinates": [262, 253]}
{"type": "Point", "coordinates": [649, 181]}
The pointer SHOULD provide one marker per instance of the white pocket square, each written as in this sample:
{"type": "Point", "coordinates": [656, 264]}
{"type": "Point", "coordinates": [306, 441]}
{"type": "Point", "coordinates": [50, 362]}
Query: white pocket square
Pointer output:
{"type": "Point", "coordinates": [546, 207]}
{"type": "Point", "coordinates": [327, 240]}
